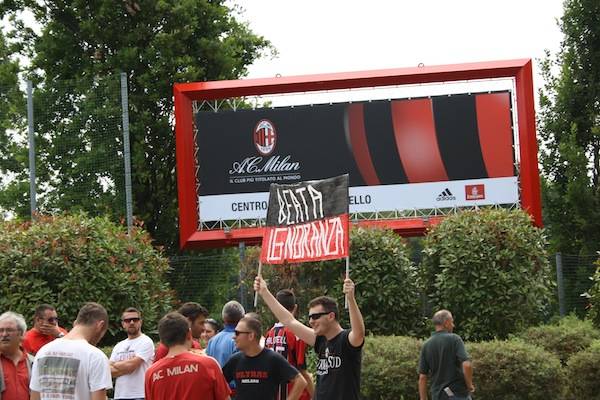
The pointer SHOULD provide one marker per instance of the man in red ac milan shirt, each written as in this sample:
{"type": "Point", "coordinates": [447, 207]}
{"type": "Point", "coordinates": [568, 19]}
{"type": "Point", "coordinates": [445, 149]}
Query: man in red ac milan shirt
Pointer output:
{"type": "Point", "coordinates": [283, 341]}
{"type": "Point", "coordinates": [182, 375]}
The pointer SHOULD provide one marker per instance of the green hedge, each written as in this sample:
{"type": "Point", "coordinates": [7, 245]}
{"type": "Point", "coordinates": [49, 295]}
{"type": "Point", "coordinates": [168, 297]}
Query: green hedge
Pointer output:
{"type": "Point", "coordinates": [583, 374]}
{"type": "Point", "coordinates": [389, 368]}
{"type": "Point", "coordinates": [69, 260]}
{"type": "Point", "coordinates": [564, 339]}
{"type": "Point", "coordinates": [515, 370]}
{"type": "Point", "coordinates": [491, 268]}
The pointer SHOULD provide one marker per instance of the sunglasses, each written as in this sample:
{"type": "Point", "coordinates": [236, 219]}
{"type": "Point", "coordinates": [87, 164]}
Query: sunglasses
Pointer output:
{"type": "Point", "coordinates": [237, 333]}
{"type": "Point", "coordinates": [130, 320]}
{"type": "Point", "coordinates": [317, 315]}
{"type": "Point", "coordinates": [52, 320]}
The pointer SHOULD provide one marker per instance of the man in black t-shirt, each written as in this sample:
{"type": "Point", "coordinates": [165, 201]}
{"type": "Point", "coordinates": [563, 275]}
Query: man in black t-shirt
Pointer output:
{"type": "Point", "coordinates": [258, 372]}
{"type": "Point", "coordinates": [338, 350]}
{"type": "Point", "coordinates": [445, 361]}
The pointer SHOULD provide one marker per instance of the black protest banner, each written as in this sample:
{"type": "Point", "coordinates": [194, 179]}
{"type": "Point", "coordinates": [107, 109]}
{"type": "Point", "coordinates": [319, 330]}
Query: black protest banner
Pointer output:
{"type": "Point", "coordinates": [307, 221]}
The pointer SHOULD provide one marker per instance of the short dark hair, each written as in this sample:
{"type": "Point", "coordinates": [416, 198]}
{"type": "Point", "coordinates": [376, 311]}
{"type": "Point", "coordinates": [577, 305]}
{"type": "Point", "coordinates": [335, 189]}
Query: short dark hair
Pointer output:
{"type": "Point", "coordinates": [254, 325]}
{"type": "Point", "coordinates": [192, 310]}
{"type": "Point", "coordinates": [132, 309]}
{"type": "Point", "coordinates": [39, 310]}
{"type": "Point", "coordinates": [328, 303]}
{"type": "Point", "coordinates": [286, 298]}
{"type": "Point", "coordinates": [173, 329]}
{"type": "Point", "coordinates": [91, 313]}
{"type": "Point", "coordinates": [213, 322]}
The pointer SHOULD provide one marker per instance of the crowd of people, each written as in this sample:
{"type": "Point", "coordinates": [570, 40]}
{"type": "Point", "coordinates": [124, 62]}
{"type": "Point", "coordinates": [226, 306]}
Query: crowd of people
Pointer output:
{"type": "Point", "coordinates": [197, 358]}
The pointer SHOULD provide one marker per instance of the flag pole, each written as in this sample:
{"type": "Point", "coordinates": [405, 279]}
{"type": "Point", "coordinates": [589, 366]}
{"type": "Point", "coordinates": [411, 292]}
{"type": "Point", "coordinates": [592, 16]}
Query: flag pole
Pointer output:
{"type": "Point", "coordinates": [259, 274]}
{"type": "Point", "coordinates": [347, 277]}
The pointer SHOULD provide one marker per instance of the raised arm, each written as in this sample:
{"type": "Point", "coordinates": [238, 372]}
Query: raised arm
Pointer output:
{"type": "Point", "coordinates": [284, 316]}
{"type": "Point", "coordinates": [357, 325]}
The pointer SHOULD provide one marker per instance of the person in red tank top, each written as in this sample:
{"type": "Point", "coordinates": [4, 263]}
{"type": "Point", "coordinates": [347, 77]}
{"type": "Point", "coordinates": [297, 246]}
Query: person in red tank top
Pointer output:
{"type": "Point", "coordinates": [283, 341]}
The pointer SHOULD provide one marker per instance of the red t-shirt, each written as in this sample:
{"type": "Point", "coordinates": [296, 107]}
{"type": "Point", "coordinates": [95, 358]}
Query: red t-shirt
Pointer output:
{"type": "Point", "coordinates": [162, 350]}
{"type": "Point", "coordinates": [34, 340]}
{"type": "Point", "coordinates": [16, 378]}
{"type": "Point", "coordinates": [186, 376]}
{"type": "Point", "coordinates": [283, 341]}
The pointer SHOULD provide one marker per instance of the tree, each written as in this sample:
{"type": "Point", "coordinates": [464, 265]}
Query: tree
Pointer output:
{"type": "Point", "coordinates": [13, 159]}
{"type": "Point", "coordinates": [570, 132]}
{"type": "Point", "coordinates": [75, 63]}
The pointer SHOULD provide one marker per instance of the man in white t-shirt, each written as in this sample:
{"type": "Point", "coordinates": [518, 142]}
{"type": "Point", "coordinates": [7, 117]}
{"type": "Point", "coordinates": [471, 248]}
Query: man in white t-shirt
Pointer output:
{"type": "Point", "coordinates": [72, 367]}
{"type": "Point", "coordinates": [131, 357]}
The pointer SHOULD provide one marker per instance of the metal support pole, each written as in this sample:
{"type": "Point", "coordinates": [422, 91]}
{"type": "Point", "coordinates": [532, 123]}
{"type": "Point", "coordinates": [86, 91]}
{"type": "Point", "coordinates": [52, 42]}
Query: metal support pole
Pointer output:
{"type": "Point", "coordinates": [560, 284]}
{"type": "Point", "coordinates": [126, 151]}
{"type": "Point", "coordinates": [242, 248]}
{"type": "Point", "coordinates": [32, 191]}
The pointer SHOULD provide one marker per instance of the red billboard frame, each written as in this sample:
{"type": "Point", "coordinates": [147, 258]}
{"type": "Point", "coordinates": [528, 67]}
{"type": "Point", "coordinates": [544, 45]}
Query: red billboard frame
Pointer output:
{"type": "Point", "coordinates": [185, 93]}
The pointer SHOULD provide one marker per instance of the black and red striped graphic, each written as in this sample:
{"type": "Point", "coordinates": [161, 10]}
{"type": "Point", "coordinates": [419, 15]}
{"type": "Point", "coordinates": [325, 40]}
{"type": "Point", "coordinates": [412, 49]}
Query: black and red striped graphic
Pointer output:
{"type": "Point", "coordinates": [398, 141]}
{"type": "Point", "coordinates": [433, 139]}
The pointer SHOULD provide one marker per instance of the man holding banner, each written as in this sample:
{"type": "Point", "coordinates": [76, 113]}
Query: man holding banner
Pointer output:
{"type": "Point", "coordinates": [339, 350]}
{"type": "Point", "coordinates": [308, 221]}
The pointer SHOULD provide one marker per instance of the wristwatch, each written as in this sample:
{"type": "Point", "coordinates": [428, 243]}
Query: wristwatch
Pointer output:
{"type": "Point", "coordinates": [60, 334]}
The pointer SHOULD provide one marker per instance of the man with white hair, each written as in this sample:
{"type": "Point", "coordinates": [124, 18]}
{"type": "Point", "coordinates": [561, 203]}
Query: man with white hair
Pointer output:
{"type": "Point", "coordinates": [221, 347]}
{"type": "Point", "coordinates": [445, 360]}
{"type": "Point", "coordinates": [15, 364]}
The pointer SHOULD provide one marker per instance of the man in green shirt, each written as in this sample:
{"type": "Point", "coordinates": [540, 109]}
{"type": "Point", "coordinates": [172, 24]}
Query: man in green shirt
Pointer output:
{"type": "Point", "coordinates": [445, 361]}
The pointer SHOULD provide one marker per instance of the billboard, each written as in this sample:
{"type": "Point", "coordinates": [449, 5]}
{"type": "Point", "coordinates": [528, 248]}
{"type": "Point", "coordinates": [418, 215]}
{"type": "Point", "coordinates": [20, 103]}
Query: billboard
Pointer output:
{"type": "Point", "coordinates": [427, 153]}
{"type": "Point", "coordinates": [437, 152]}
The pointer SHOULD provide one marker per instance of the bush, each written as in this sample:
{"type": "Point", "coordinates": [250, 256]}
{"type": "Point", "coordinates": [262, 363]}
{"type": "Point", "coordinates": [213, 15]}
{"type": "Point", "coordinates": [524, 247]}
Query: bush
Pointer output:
{"type": "Point", "coordinates": [385, 280]}
{"type": "Point", "coordinates": [583, 373]}
{"type": "Point", "coordinates": [593, 296]}
{"type": "Point", "coordinates": [564, 339]}
{"type": "Point", "coordinates": [390, 368]}
{"type": "Point", "coordinates": [514, 370]}
{"type": "Point", "coordinates": [67, 261]}
{"type": "Point", "coordinates": [491, 268]}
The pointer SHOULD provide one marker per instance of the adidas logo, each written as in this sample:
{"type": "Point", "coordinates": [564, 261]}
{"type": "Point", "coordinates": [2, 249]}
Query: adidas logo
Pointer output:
{"type": "Point", "coordinates": [446, 195]}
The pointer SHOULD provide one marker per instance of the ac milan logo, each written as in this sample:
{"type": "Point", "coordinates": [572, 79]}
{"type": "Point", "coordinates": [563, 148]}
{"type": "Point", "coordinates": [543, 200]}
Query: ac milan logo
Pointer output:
{"type": "Point", "coordinates": [265, 137]}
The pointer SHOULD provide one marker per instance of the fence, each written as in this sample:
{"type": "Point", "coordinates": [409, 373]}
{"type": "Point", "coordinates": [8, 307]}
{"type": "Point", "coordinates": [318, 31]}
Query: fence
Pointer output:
{"type": "Point", "coordinates": [69, 150]}
{"type": "Point", "coordinates": [573, 274]}
{"type": "Point", "coordinates": [213, 279]}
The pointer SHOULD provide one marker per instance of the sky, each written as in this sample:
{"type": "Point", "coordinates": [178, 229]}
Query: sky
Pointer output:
{"type": "Point", "coordinates": [339, 36]}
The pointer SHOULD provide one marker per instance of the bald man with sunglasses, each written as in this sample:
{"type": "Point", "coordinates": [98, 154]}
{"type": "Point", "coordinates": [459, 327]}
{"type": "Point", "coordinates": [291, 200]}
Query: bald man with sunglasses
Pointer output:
{"type": "Point", "coordinates": [339, 350]}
